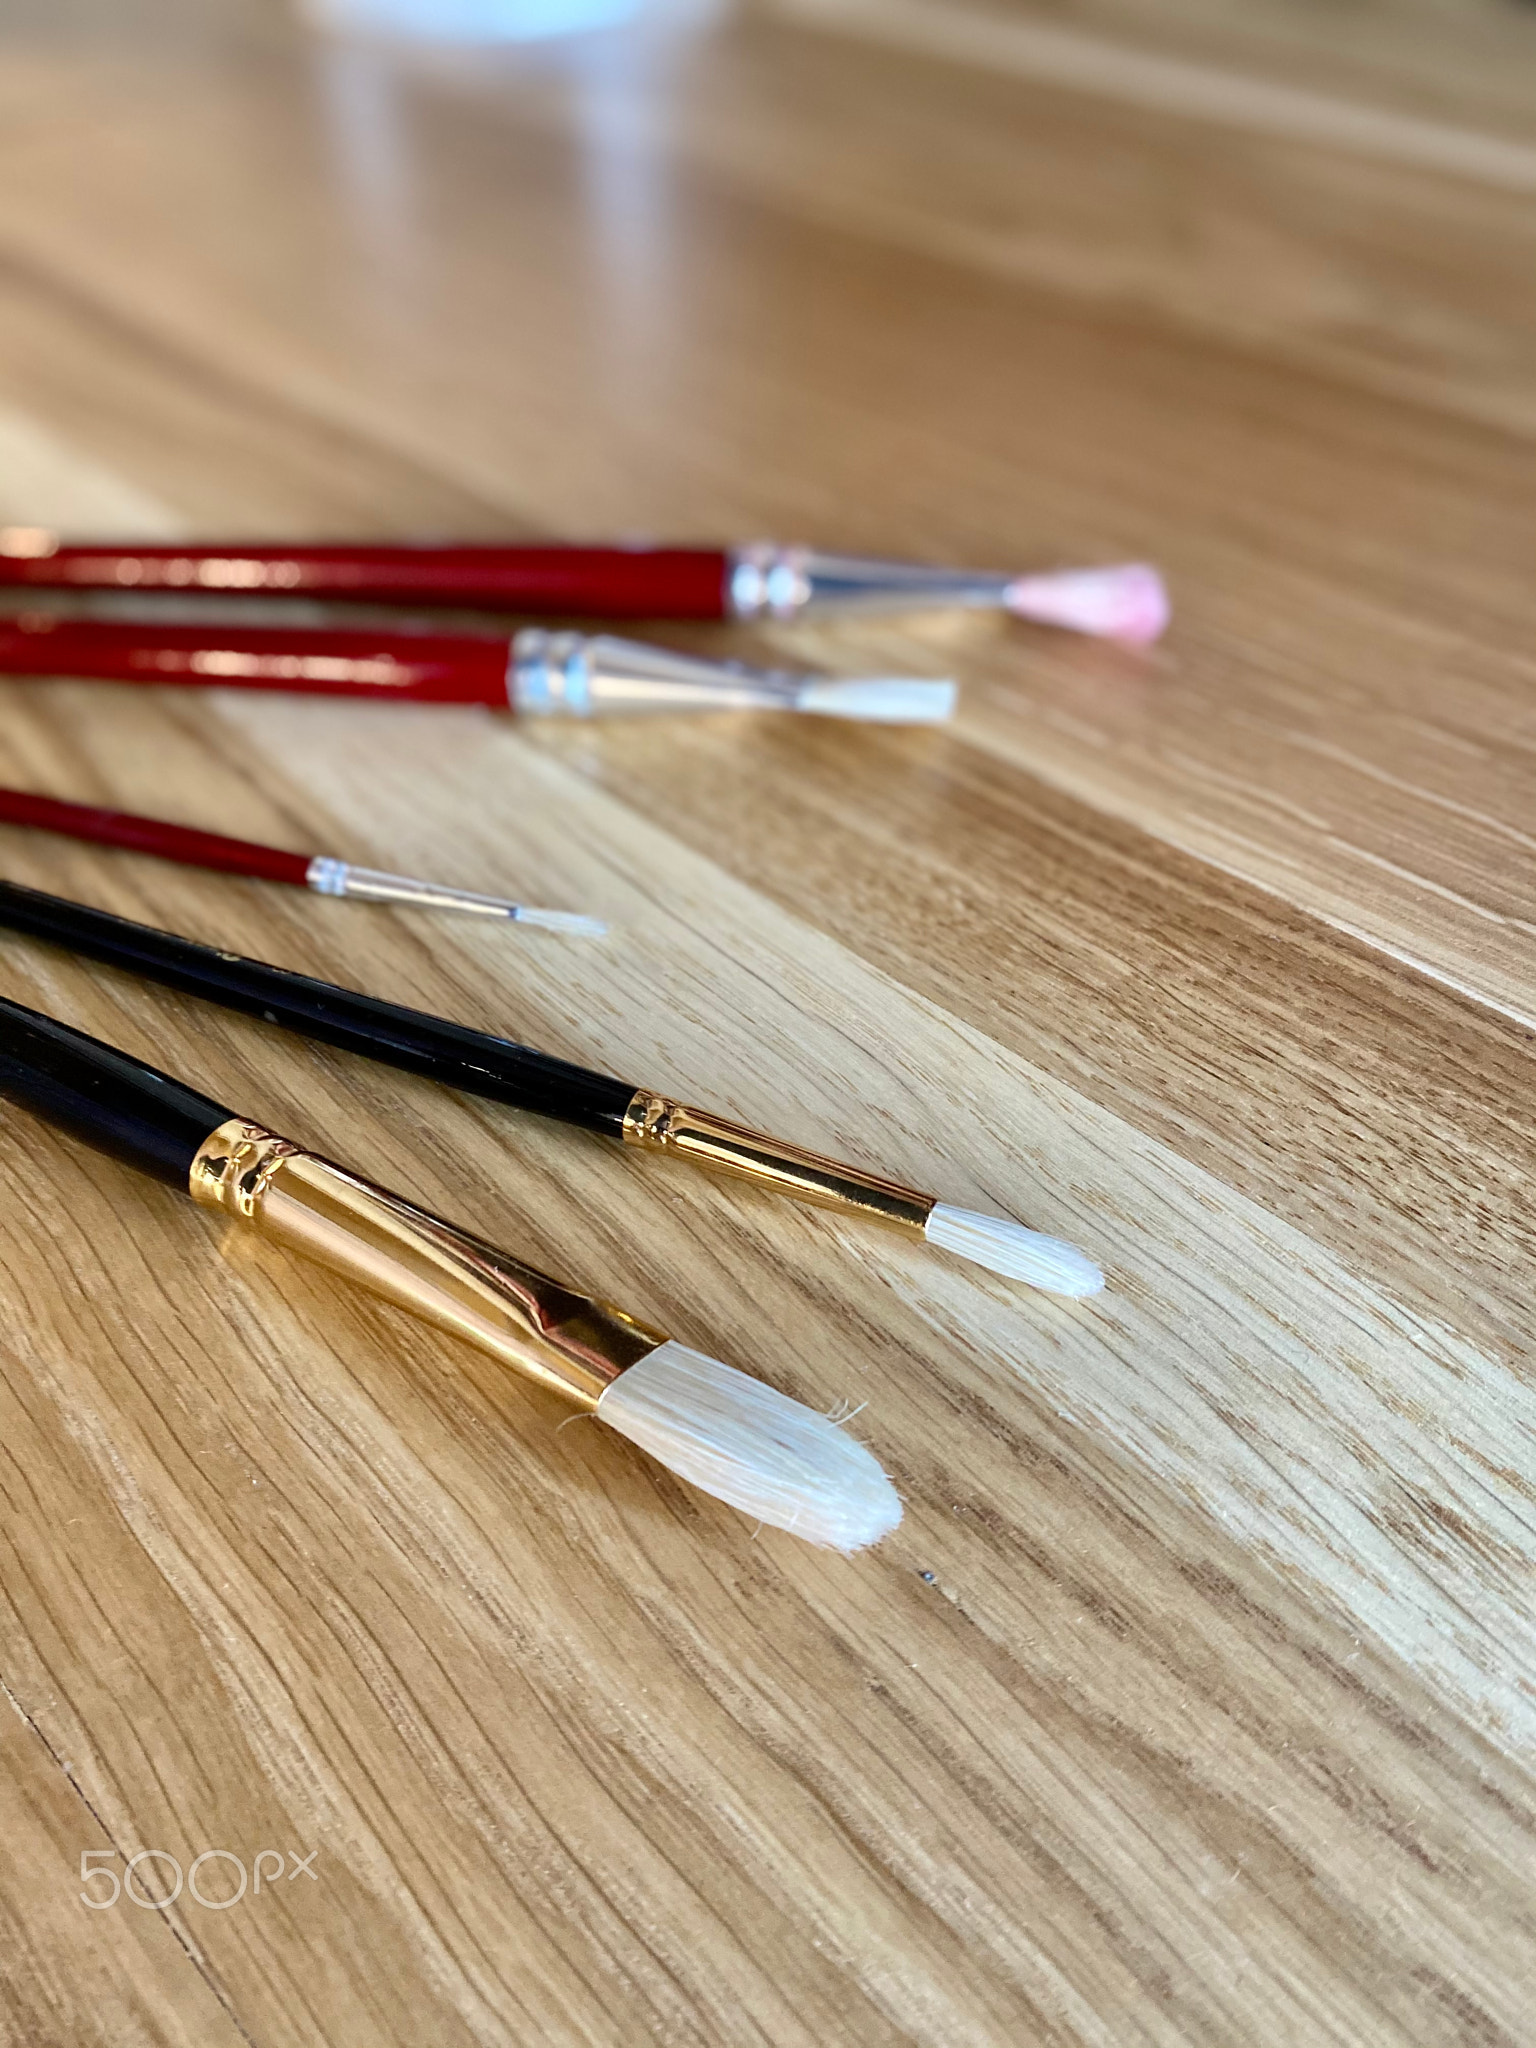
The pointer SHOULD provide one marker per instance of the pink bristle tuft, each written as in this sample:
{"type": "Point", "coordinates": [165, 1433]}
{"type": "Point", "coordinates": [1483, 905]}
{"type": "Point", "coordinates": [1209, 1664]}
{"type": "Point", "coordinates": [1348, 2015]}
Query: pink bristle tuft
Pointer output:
{"type": "Point", "coordinates": [1128, 603]}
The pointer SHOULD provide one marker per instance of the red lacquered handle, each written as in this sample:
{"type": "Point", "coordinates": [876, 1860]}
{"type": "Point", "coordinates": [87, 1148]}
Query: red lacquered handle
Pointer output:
{"type": "Point", "coordinates": [153, 835]}
{"type": "Point", "coordinates": [607, 583]}
{"type": "Point", "coordinates": [422, 668]}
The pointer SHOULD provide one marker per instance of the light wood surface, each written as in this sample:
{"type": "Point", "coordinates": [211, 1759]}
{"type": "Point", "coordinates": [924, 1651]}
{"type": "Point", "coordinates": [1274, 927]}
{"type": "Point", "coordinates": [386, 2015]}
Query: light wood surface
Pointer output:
{"type": "Point", "coordinates": [1195, 1699]}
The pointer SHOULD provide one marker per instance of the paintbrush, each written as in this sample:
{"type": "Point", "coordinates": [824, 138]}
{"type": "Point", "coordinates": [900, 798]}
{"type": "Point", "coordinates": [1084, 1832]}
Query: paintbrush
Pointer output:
{"type": "Point", "coordinates": [317, 871]}
{"type": "Point", "coordinates": [534, 673]}
{"type": "Point", "coordinates": [763, 580]}
{"type": "Point", "coordinates": [501, 1071]}
{"type": "Point", "coordinates": [718, 1428]}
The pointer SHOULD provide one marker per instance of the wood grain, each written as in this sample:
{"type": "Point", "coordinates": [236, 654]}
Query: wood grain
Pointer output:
{"type": "Point", "coordinates": [129, 1964]}
{"type": "Point", "coordinates": [1195, 1699]}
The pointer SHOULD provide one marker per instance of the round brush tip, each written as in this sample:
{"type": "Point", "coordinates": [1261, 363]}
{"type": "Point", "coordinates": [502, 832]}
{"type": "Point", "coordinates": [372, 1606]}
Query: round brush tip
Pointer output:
{"type": "Point", "coordinates": [569, 923]}
{"type": "Point", "coordinates": [1016, 1253]}
{"type": "Point", "coordinates": [1129, 603]}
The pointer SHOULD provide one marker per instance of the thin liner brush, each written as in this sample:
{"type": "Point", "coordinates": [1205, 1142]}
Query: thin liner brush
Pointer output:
{"type": "Point", "coordinates": [501, 1071]}
{"type": "Point", "coordinates": [763, 580]}
{"type": "Point", "coordinates": [533, 674]}
{"type": "Point", "coordinates": [720, 1429]}
{"type": "Point", "coordinates": [316, 871]}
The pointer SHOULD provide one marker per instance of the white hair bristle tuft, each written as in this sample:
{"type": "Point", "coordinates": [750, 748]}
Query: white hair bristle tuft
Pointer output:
{"type": "Point", "coordinates": [1129, 603]}
{"type": "Point", "coordinates": [879, 700]}
{"type": "Point", "coordinates": [1008, 1248]}
{"type": "Point", "coordinates": [753, 1447]}
{"type": "Point", "coordinates": [569, 922]}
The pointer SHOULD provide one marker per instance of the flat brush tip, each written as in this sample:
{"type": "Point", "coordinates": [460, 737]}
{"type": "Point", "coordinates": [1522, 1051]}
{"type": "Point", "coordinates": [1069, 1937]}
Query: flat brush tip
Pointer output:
{"type": "Point", "coordinates": [1128, 603]}
{"type": "Point", "coordinates": [753, 1447]}
{"type": "Point", "coordinates": [880, 700]}
{"type": "Point", "coordinates": [568, 922]}
{"type": "Point", "coordinates": [1018, 1254]}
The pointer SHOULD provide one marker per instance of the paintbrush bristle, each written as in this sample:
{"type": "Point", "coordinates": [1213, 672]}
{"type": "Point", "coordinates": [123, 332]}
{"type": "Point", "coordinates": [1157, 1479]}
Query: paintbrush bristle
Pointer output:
{"type": "Point", "coordinates": [568, 922]}
{"type": "Point", "coordinates": [753, 1447]}
{"type": "Point", "coordinates": [879, 700]}
{"type": "Point", "coordinates": [1010, 1249]}
{"type": "Point", "coordinates": [1128, 603]}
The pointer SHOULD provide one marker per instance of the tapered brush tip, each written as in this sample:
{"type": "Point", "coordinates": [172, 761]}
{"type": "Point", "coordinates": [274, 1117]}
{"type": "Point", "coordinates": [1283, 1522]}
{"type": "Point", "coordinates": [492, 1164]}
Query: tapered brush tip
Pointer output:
{"type": "Point", "coordinates": [753, 1447]}
{"type": "Point", "coordinates": [568, 922]}
{"type": "Point", "coordinates": [1008, 1248]}
{"type": "Point", "coordinates": [1128, 603]}
{"type": "Point", "coordinates": [879, 700]}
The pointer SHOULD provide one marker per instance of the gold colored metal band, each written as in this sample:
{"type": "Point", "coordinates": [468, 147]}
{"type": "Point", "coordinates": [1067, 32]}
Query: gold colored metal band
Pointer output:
{"type": "Point", "coordinates": [709, 1141]}
{"type": "Point", "coordinates": [234, 1167]}
{"type": "Point", "coordinates": [446, 1276]}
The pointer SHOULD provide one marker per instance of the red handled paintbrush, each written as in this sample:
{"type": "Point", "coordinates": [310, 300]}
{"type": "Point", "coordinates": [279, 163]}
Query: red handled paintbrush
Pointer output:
{"type": "Point", "coordinates": [761, 581]}
{"type": "Point", "coordinates": [532, 673]}
{"type": "Point", "coordinates": [317, 871]}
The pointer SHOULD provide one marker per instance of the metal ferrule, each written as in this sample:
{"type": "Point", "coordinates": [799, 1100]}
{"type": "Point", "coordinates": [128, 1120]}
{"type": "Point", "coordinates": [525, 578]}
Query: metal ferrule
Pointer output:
{"type": "Point", "coordinates": [583, 675]}
{"type": "Point", "coordinates": [568, 1342]}
{"type": "Point", "coordinates": [767, 581]}
{"type": "Point", "coordinates": [659, 1125]}
{"type": "Point", "coordinates": [329, 877]}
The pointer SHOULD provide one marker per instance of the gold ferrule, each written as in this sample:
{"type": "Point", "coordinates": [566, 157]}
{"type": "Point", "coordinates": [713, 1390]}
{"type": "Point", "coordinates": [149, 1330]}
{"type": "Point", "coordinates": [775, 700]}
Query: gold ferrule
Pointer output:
{"type": "Point", "coordinates": [446, 1276]}
{"type": "Point", "coordinates": [694, 1134]}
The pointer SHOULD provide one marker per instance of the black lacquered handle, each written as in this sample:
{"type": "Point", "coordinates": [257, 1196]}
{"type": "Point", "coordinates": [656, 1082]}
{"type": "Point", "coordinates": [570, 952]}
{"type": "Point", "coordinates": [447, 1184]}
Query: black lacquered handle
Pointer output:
{"type": "Point", "coordinates": [114, 1102]}
{"type": "Point", "coordinates": [420, 1043]}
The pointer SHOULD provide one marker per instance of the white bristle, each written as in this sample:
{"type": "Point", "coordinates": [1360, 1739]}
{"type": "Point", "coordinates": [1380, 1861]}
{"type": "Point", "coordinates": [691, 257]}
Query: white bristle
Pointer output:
{"type": "Point", "coordinates": [1129, 603]}
{"type": "Point", "coordinates": [751, 1446]}
{"type": "Point", "coordinates": [879, 700]}
{"type": "Point", "coordinates": [568, 921]}
{"type": "Point", "coordinates": [1010, 1249]}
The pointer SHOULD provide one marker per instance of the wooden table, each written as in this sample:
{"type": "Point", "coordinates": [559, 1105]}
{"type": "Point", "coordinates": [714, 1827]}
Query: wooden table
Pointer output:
{"type": "Point", "coordinates": [1195, 1699]}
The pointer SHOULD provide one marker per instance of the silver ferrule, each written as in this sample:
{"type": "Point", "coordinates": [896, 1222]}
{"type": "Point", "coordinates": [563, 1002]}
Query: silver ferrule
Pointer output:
{"type": "Point", "coordinates": [767, 581]}
{"type": "Point", "coordinates": [580, 675]}
{"type": "Point", "coordinates": [370, 885]}
{"type": "Point", "coordinates": [327, 877]}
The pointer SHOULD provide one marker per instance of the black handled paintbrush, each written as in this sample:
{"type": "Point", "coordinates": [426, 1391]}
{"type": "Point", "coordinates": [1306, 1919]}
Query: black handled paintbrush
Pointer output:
{"type": "Point", "coordinates": [723, 1430]}
{"type": "Point", "coordinates": [481, 1064]}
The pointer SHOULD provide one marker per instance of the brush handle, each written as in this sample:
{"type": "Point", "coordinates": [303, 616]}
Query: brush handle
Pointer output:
{"type": "Point", "coordinates": [115, 1103]}
{"type": "Point", "coordinates": [569, 1342]}
{"type": "Point", "coordinates": [421, 668]}
{"type": "Point", "coordinates": [608, 583]}
{"type": "Point", "coordinates": [154, 835]}
{"type": "Point", "coordinates": [411, 1039]}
